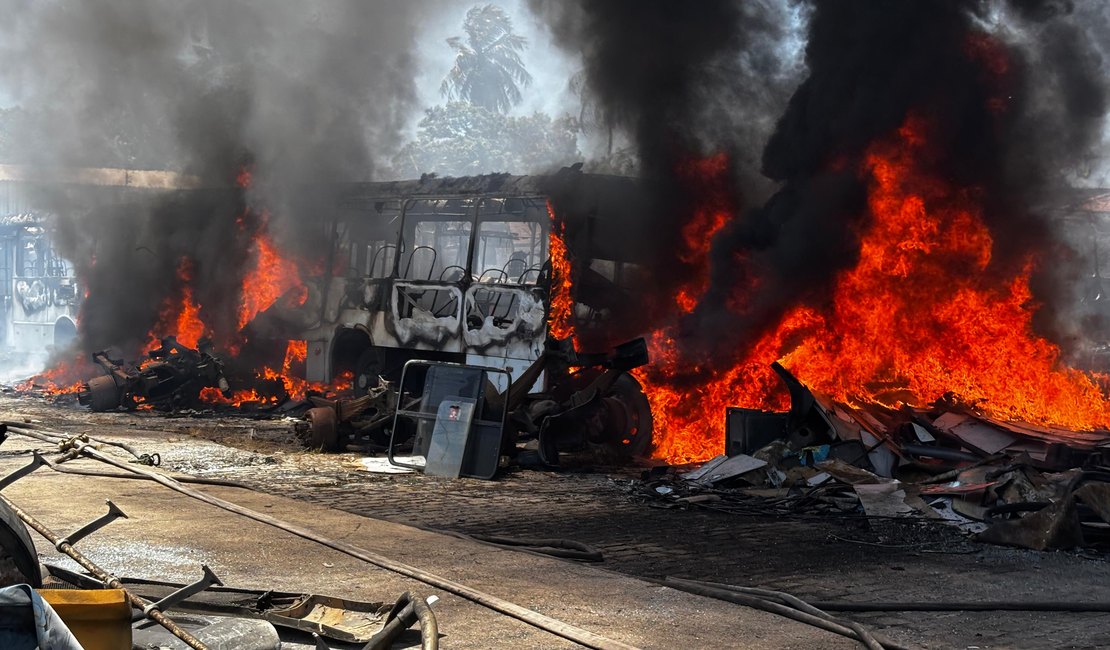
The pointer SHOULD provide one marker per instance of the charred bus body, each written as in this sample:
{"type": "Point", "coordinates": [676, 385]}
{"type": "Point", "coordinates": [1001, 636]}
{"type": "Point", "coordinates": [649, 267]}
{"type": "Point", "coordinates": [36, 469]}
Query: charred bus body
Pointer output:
{"type": "Point", "coordinates": [458, 270]}
{"type": "Point", "coordinates": [38, 288]}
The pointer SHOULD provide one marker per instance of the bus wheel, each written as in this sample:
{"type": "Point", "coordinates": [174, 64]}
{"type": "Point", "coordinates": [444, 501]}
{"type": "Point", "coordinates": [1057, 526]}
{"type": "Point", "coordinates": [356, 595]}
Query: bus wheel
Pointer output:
{"type": "Point", "coordinates": [103, 394]}
{"type": "Point", "coordinates": [324, 428]}
{"type": "Point", "coordinates": [367, 370]}
{"type": "Point", "coordinates": [628, 417]}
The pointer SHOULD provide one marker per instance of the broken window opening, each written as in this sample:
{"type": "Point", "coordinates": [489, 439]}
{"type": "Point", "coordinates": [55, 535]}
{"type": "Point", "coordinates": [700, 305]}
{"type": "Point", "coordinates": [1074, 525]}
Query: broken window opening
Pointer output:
{"type": "Point", "coordinates": [511, 245]}
{"type": "Point", "coordinates": [436, 240]}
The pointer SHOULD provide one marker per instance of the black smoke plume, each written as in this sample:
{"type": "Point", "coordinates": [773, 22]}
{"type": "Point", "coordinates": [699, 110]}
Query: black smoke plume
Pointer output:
{"type": "Point", "coordinates": [300, 94]}
{"type": "Point", "coordinates": [1007, 131]}
{"type": "Point", "coordinates": [678, 78]}
{"type": "Point", "coordinates": [682, 81]}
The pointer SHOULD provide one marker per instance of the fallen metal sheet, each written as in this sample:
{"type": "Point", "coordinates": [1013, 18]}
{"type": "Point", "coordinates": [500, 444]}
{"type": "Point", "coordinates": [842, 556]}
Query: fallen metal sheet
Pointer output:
{"type": "Point", "coordinates": [706, 467]}
{"type": "Point", "coordinates": [978, 436]}
{"type": "Point", "coordinates": [340, 619]}
{"type": "Point", "coordinates": [949, 509]}
{"type": "Point", "coordinates": [881, 457]}
{"type": "Point", "coordinates": [840, 422]}
{"type": "Point", "coordinates": [1036, 450]}
{"type": "Point", "coordinates": [1056, 526]}
{"type": "Point", "coordinates": [883, 499]}
{"type": "Point", "coordinates": [1078, 439]}
{"type": "Point", "coordinates": [956, 488]}
{"type": "Point", "coordinates": [922, 433]}
{"type": "Point", "coordinates": [849, 474]}
{"type": "Point", "coordinates": [969, 509]}
{"type": "Point", "coordinates": [734, 466]}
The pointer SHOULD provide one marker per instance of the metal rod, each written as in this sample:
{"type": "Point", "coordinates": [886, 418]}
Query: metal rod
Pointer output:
{"type": "Point", "coordinates": [36, 462]}
{"type": "Point", "coordinates": [109, 580]}
{"type": "Point", "coordinates": [113, 514]}
{"type": "Point", "coordinates": [531, 617]}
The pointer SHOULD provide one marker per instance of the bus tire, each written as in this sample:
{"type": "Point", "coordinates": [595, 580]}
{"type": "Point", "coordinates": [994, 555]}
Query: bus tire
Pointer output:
{"type": "Point", "coordinates": [324, 428]}
{"type": "Point", "coordinates": [103, 394]}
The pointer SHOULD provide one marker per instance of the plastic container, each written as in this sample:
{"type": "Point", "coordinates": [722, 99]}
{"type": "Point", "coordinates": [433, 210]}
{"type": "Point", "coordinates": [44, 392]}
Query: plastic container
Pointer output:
{"type": "Point", "coordinates": [99, 618]}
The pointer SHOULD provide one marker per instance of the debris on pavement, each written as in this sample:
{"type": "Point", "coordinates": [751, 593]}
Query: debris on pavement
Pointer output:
{"type": "Point", "coordinates": [172, 377]}
{"type": "Point", "coordinates": [1005, 482]}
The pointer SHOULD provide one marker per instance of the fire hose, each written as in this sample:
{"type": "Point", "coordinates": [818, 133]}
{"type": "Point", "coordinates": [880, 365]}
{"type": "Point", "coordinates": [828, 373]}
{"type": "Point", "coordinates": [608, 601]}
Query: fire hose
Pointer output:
{"type": "Point", "coordinates": [39, 432]}
{"type": "Point", "coordinates": [109, 581]}
{"type": "Point", "coordinates": [77, 448]}
{"type": "Point", "coordinates": [786, 605]}
{"type": "Point", "coordinates": [405, 612]}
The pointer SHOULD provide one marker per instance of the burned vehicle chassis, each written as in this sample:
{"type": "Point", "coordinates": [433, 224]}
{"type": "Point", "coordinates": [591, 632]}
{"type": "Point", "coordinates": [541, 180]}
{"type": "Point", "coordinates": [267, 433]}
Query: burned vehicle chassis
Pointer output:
{"type": "Point", "coordinates": [459, 270]}
{"type": "Point", "coordinates": [595, 405]}
{"type": "Point", "coordinates": [172, 377]}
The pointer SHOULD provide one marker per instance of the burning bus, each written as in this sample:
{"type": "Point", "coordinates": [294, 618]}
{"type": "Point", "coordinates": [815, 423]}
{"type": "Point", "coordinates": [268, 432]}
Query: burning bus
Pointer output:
{"type": "Point", "coordinates": [326, 301]}
{"type": "Point", "coordinates": [475, 270]}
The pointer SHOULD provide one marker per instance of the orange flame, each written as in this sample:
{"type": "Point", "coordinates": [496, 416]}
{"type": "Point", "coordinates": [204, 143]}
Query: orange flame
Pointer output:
{"type": "Point", "coordinates": [179, 317]}
{"type": "Point", "coordinates": [560, 315]}
{"type": "Point", "coordinates": [65, 378]}
{"type": "Point", "coordinates": [922, 312]}
{"type": "Point", "coordinates": [921, 309]}
{"type": "Point", "coordinates": [296, 352]}
{"type": "Point", "coordinates": [271, 277]}
{"type": "Point", "coordinates": [709, 217]}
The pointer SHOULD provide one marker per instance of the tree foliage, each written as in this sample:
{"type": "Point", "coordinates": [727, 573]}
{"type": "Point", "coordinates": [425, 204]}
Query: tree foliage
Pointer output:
{"type": "Point", "coordinates": [488, 71]}
{"type": "Point", "coordinates": [462, 139]}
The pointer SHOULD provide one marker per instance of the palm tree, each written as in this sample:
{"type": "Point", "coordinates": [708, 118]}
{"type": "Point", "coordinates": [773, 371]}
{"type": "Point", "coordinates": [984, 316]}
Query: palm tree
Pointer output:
{"type": "Point", "coordinates": [488, 71]}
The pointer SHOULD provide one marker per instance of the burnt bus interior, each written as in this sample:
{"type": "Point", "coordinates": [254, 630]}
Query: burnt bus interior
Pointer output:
{"type": "Point", "coordinates": [457, 269]}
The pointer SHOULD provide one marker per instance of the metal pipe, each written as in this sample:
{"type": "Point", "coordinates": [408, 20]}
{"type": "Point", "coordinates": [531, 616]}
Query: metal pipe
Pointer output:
{"type": "Point", "coordinates": [429, 629]}
{"type": "Point", "coordinates": [109, 580]}
{"type": "Point", "coordinates": [943, 453]}
{"type": "Point", "coordinates": [199, 480]}
{"type": "Point", "coordinates": [531, 617]}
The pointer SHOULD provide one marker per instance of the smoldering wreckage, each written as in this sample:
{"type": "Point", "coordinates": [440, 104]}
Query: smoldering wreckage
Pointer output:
{"type": "Point", "coordinates": [448, 294]}
{"type": "Point", "coordinates": [477, 269]}
{"type": "Point", "coordinates": [475, 325]}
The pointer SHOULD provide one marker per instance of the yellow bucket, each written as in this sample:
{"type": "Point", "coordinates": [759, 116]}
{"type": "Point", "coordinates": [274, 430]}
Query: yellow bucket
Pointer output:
{"type": "Point", "coordinates": [99, 618]}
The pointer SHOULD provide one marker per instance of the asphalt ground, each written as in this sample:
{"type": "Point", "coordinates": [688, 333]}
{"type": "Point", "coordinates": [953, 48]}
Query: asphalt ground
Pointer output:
{"type": "Point", "coordinates": [816, 558]}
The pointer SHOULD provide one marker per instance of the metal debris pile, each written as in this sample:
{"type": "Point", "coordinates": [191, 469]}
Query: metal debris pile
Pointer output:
{"type": "Point", "coordinates": [1001, 482]}
{"type": "Point", "coordinates": [173, 376]}
{"type": "Point", "coordinates": [467, 420]}
{"type": "Point", "coordinates": [228, 617]}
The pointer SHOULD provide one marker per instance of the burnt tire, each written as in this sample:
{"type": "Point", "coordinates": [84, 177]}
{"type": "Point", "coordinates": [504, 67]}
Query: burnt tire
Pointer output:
{"type": "Point", "coordinates": [103, 394]}
{"type": "Point", "coordinates": [629, 414]}
{"type": "Point", "coordinates": [367, 369]}
{"type": "Point", "coordinates": [323, 428]}
{"type": "Point", "coordinates": [19, 562]}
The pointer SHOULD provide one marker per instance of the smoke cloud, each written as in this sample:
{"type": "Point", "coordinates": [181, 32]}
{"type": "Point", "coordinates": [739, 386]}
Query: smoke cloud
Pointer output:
{"type": "Point", "coordinates": [298, 93]}
{"type": "Point", "coordinates": [1016, 92]}
{"type": "Point", "coordinates": [682, 81]}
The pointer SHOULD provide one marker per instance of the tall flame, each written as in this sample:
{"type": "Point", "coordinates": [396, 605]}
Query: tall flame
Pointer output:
{"type": "Point", "coordinates": [921, 315]}
{"type": "Point", "coordinates": [560, 316]}
{"type": "Point", "coordinates": [711, 215]}
{"type": "Point", "coordinates": [179, 316]}
{"type": "Point", "coordinates": [271, 277]}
